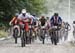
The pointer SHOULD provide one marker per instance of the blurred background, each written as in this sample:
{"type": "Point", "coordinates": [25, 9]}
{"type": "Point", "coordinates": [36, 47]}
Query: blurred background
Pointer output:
{"type": "Point", "coordinates": [8, 8]}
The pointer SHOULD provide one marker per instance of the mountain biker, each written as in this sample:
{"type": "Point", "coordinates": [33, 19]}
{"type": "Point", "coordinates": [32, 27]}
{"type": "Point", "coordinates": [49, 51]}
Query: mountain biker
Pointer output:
{"type": "Point", "coordinates": [25, 19]}
{"type": "Point", "coordinates": [67, 28]}
{"type": "Point", "coordinates": [42, 26]}
{"type": "Point", "coordinates": [55, 21]}
{"type": "Point", "coordinates": [14, 23]}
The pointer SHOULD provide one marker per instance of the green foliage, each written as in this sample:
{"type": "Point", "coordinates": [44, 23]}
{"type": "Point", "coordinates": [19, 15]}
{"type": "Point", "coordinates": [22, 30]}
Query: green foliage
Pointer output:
{"type": "Point", "coordinates": [9, 7]}
{"type": "Point", "coordinates": [3, 33]}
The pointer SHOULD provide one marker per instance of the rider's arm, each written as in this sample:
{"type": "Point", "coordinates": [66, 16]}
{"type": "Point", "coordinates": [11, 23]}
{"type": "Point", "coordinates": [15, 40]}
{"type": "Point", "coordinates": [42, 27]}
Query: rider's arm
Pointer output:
{"type": "Point", "coordinates": [12, 20]}
{"type": "Point", "coordinates": [31, 21]}
{"type": "Point", "coordinates": [69, 26]}
{"type": "Point", "coordinates": [60, 20]}
{"type": "Point", "coordinates": [36, 23]}
{"type": "Point", "coordinates": [39, 21]}
{"type": "Point", "coordinates": [19, 17]}
{"type": "Point", "coordinates": [51, 21]}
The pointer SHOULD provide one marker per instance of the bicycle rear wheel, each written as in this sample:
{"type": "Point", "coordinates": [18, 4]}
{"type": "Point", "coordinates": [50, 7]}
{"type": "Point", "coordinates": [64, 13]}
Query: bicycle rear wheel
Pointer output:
{"type": "Point", "coordinates": [15, 35]}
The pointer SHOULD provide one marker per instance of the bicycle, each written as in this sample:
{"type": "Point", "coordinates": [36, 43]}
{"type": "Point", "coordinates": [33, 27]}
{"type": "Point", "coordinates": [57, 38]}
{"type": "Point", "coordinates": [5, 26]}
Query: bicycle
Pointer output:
{"type": "Point", "coordinates": [16, 33]}
{"type": "Point", "coordinates": [24, 29]}
{"type": "Point", "coordinates": [43, 34]}
{"type": "Point", "coordinates": [54, 35]}
{"type": "Point", "coordinates": [23, 35]}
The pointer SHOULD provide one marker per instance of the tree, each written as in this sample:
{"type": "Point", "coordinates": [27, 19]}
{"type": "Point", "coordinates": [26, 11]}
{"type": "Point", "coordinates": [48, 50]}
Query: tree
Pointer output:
{"type": "Point", "coordinates": [9, 7]}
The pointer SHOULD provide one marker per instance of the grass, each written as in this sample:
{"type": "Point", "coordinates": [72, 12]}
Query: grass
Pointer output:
{"type": "Point", "coordinates": [3, 26]}
{"type": "Point", "coordinates": [3, 33]}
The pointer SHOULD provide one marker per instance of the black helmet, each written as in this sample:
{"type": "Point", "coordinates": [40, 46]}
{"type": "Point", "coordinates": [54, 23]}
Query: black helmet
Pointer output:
{"type": "Point", "coordinates": [55, 14]}
{"type": "Point", "coordinates": [73, 22]}
{"type": "Point", "coordinates": [47, 17]}
{"type": "Point", "coordinates": [34, 15]}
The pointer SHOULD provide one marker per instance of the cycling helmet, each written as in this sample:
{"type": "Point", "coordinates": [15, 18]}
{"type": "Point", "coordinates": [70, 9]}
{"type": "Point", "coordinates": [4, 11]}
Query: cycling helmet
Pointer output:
{"type": "Point", "coordinates": [73, 22]}
{"type": "Point", "coordinates": [55, 14]}
{"type": "Point", "coordinates": [23, 11]}
{"type": "Point", "coordinates": [34, 15]}
{"type": "Point", "coordinates": [47, 17]}
{"type": "Point", "coordinates": [42, 16]}
{"type": "Point", "coordinates": [27, 13]}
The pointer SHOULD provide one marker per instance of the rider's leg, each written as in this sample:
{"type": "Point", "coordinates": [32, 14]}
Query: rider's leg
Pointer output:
{"type": "Point", "coordinates": [52, 37]}
{"type": "Point", "coordinates": [66, 36]}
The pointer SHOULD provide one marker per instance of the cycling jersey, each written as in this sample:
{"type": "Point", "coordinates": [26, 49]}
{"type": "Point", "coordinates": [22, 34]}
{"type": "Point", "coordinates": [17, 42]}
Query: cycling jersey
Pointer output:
{"type": "Point", "coordinates": [55, 21]}
{"type": "Point", "coordinates": [67, 25]}
{"type": "Point", "coordinates": [34, 21]}
{"type": "Point", "coordinates": [21, 17]}
{"type": "Point", "coordinates": [43, 21]}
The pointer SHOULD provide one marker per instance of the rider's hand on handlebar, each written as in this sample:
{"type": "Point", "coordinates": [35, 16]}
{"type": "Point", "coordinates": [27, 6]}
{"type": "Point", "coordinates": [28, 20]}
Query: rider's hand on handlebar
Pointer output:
{"type": "Point", "coordinates": [27, 20]}
{"type": "Point", "coordinates": [10, 23]}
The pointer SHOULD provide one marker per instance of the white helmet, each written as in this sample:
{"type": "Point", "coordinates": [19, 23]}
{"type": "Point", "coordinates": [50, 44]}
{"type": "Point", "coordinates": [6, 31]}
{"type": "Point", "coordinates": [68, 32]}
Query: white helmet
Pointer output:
{"type": "Point", "coordinates": [28, 13]}
{"type": "Point", "coordinates": [23, 11]}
